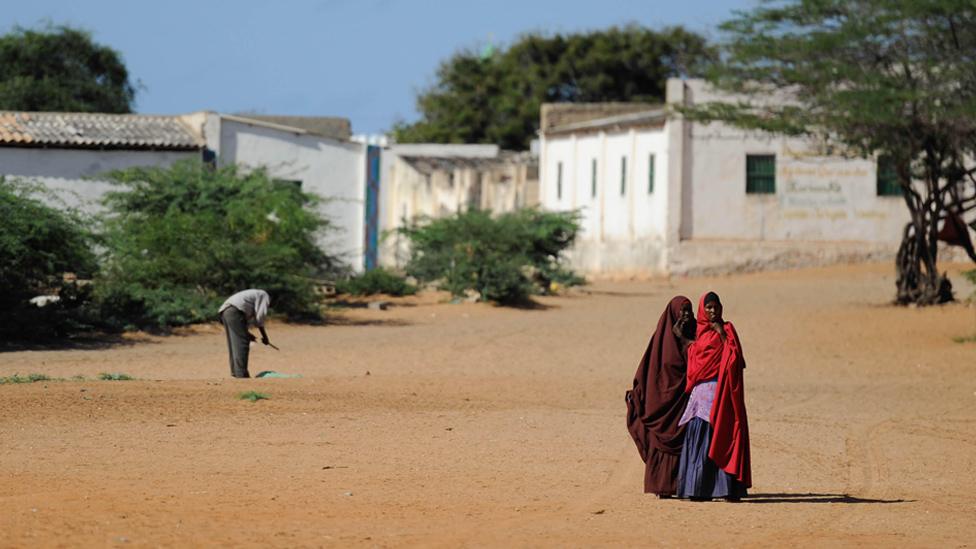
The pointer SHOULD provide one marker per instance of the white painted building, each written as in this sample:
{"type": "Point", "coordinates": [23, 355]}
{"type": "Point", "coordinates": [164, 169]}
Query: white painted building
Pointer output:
{"type": "Point", "coordinates": [66, 152]}
{"type": "Point", "coordinates": [661, 195]}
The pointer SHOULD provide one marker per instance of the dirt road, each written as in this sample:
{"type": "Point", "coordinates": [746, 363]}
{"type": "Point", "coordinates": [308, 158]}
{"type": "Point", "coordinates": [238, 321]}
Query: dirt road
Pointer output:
{"type": "Point", "coordinates": [470, 425]}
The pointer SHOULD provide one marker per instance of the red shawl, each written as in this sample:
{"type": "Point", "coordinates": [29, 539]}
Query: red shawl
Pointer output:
{"type": "Point", "coordinates": [709, 357]}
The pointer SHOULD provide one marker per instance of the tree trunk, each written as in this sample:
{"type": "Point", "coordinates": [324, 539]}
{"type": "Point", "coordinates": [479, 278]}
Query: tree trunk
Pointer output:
{"type": "Point", "coordinates": [919, 281]}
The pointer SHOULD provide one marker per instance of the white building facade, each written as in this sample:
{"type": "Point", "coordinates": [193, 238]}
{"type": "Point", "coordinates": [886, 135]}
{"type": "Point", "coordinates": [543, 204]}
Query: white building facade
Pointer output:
{"type": "Point", "coordinates": [662, 195]}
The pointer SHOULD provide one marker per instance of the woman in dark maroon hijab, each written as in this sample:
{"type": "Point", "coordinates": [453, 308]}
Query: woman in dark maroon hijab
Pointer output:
{"type": "Point", "coordinates": [655, 404]}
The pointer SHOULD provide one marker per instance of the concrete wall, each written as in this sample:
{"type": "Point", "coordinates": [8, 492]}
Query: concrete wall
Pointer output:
{"type": "Point", "coordinates": [66, 171]}
{"type": "Point", "coordinates": [334, 170]}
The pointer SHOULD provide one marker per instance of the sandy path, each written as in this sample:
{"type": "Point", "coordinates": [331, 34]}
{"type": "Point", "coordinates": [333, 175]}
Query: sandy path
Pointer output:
{"type": "Point", "coordinates": [482, 426]}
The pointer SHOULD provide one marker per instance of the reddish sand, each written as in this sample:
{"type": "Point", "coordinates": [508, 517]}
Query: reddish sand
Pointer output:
{"type": "Point", "coordinates": [434, 424]}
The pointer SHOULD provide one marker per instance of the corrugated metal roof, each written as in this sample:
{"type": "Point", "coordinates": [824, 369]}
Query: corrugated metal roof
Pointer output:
{"type": "Point", "coordinates": [96, 130]}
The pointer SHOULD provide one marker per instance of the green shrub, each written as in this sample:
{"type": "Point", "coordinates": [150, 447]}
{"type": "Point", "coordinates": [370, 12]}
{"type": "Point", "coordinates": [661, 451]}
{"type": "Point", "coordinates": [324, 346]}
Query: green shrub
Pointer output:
{"type": "Point", "coordinates": [29, 378]}
{"type": "Point", "coordinates": [971, 277]}
{"type": "Point", "coordinates": [116, 376]}
{"type": "Point", "coordinates": [38, 245]}
{"type": "Point", "coordinates": [376, 281]}
{"type": "Point", "coordinates": [181, 239]}
{"type": "Point", "coordinates": [504, 259]}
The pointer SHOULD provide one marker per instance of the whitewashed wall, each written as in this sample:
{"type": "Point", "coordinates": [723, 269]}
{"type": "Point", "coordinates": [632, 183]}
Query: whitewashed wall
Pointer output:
{"type": "Point", "coordinates": [66, 172]}
{"type": "Point", "coordinates": [624, 223]}
{"type": "Point", "coordinates": [334, 170]}
{"type": "Point", "coordinates": [817, 198]}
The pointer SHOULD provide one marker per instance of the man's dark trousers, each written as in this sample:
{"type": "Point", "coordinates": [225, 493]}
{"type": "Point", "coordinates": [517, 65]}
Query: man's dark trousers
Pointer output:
{"type": "Point", "coordinates": [238, 342]}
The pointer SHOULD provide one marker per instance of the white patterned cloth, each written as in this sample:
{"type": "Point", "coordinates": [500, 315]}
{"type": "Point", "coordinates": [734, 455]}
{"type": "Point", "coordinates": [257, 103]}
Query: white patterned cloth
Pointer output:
{"type": "Point", "coordinates": [700, 402]}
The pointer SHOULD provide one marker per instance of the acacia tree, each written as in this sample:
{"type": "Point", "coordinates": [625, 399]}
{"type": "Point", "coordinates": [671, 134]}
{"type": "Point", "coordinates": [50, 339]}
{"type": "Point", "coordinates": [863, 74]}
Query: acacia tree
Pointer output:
{"type": "Point", "coordinates": [62, 69]}
{"type": "Point", "coordinates": [893, 78]}
{"type": "Point", "coordinates": [494, 96]}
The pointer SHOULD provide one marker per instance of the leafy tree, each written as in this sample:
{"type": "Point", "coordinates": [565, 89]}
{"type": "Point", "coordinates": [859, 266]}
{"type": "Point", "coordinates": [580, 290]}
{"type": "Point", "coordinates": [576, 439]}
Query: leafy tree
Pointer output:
{"type": "Point", "coordinates": [892, 78]}
{"type": "Point", "coordinates": [181, 239]}
{"type": "Point", "coordinates": [62, 69]}
{"type": "Point", "coordinates": [504, 259]}
{"type": "Point", "coordinates": [38, 245]}
{"type": "Point", "coordinates": [495, 98]}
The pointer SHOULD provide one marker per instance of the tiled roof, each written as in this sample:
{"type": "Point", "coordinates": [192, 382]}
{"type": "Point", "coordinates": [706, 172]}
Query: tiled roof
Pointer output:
{"type": "Point", "coordinates": [84, 130]}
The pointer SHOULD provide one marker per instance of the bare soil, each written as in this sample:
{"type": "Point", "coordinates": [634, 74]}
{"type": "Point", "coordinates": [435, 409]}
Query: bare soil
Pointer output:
{"type": "Point", "coordinates": [445, 425]}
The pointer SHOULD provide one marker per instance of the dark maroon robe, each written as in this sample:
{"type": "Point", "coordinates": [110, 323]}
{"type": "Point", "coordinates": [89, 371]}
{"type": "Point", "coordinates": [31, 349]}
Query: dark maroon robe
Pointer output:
{"type": "Point", "coordinates": [657, 401]}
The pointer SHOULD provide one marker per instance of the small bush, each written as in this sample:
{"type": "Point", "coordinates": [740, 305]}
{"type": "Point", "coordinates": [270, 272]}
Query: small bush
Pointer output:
{"type": "Point", "coordinates": [117, 376]}
{"type": "Point", "coordinates": [971, 277]}
{"type": "Point", "coordinates": [376, 281]}
{"type": "Point", "coordinates": [504, 259]}
{"type": "Point", "coordinates": [181, 239]}
{"type": "Point", "coordinates": [253, 396]}
{"type": "Point", "coordinates": [38, 245]}
{"type": "Point", "coordinates": [29, 378]}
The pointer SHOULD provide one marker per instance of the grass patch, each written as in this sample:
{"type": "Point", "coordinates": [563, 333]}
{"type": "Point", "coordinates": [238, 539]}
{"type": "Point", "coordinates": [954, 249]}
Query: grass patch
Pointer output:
{"type": "Point", "coordinates": [29, 378]}
{"type": "Point", "coordinates": [116, 376]}
{"type": "Point", "coordinates": [253, 396]}
{"type": "Point", "coordinates": [965, 339]}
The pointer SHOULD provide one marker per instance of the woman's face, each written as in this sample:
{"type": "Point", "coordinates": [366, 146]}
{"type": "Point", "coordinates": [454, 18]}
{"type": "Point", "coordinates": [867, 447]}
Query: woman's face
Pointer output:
{"type": "Point", "coordinates": [687, 315]}
{"type": "Point", "coordinates": [713, 310]}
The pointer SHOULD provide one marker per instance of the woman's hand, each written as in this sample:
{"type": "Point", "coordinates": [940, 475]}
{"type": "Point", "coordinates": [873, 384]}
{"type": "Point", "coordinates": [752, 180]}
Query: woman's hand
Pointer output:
{"type": "Point", "coordinates": [678, 328]}
{"type": "Point", "coordinates": [719, 327]}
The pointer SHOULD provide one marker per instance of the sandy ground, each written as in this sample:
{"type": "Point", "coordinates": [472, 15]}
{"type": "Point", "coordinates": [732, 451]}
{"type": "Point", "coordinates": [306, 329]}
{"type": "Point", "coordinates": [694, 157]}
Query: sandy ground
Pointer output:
{"type": "Point", "coordinates": [470, 425]}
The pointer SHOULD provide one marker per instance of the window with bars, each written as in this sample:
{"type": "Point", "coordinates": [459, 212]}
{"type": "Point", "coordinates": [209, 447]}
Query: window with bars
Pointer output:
{"type": "Point", "coordinates": [650, 174]}
{"type": "Point", "coordinates": [623, 175]}
{"type": "Point", "coordinates": [761, 174]}
{"type": "Point", "coordinates": [887, 178]}
{"type": "Point", "coordinates": [593, 179]}
{"type": "Point", "coordinates": [559, 181]}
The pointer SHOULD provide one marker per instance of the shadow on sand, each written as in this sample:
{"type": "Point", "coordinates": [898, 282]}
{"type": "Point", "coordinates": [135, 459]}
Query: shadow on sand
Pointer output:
{"type": "Point", "coordinates": [89, 342]}
{"type": "Point", "coordinates": [815, 498]}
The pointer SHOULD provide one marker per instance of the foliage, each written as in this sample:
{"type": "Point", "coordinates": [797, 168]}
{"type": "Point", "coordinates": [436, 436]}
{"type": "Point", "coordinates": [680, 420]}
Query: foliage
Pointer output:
{"type": "Point", "coordinates": [376, 281]}
{"type": "Point", "coordinates": [479, 98]}
{"type": "Point", "coordinates": [253, 396]}
{"type": "Point", "coordinates": [29, 378]}
{"type": "Point", "coordinates": [62, 69]}
{"type": "Point", "coordinates": [504, 259]}
{"type": "Point", "coordinates": [181, 239]}
{"type": "Point", "coordinates": [38, 244]}
{"type": "Point", "coordinates": [116, 376]}
{"type": "Point", "coordinates": [893, 78]}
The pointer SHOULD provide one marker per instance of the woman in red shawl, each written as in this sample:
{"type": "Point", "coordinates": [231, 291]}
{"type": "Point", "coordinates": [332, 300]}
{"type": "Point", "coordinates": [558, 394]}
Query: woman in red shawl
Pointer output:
{"type": "Point", "coordinates": [658, 398]}
{"type": "Point", "coordinates": [715, 457]}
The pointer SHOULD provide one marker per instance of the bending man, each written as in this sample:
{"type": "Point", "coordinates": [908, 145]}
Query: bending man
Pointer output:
{"type": "Point", "coordinates": [240, 310]}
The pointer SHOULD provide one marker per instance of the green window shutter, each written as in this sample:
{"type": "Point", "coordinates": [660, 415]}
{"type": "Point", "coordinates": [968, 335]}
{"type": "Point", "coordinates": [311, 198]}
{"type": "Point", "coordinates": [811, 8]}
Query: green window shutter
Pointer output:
{"type": "Point", "coordinates": [650, 174]}
{"type": "Point", "coordinates": [761, 174]}
{"type": "Point", "coordinates": [887, 178]}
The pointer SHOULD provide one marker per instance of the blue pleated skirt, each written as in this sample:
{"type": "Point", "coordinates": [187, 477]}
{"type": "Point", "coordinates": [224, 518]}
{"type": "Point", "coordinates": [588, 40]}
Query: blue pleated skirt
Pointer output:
{"type": "Point", "coordinates": [698, 476]}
